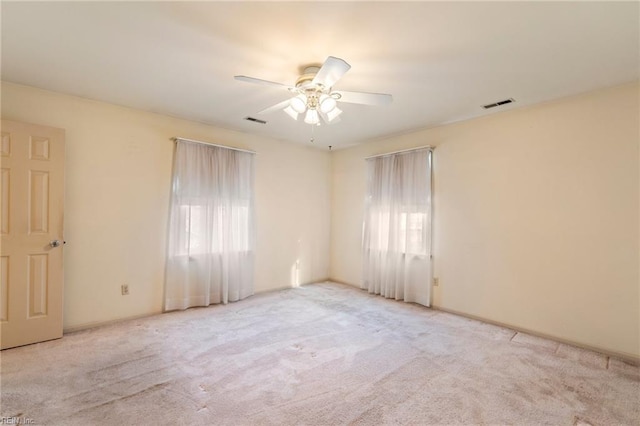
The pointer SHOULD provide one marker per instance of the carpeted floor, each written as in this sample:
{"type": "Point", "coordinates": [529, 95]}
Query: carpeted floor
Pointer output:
{"type": "Point", "coordinates": [323, 354]}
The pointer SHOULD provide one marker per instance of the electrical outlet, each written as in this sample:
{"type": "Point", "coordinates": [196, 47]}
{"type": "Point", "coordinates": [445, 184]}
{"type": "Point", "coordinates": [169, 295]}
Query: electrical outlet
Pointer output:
{"type": "Point", "coordinates": [125, 289]}
{"type": "Point", "coordinates": [436, 282]}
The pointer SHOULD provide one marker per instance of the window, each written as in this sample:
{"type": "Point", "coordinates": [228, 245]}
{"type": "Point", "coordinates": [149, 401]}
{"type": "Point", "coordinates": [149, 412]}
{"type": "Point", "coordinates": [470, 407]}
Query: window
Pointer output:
{"type": "Point", "coordinates": [211, 236]}
{"type": "Point", "coordinates": [397, 226]}
{"type": "Point", "coordinates": [411, 237]}
{"type": "Point", "coordinates": [228, 229]}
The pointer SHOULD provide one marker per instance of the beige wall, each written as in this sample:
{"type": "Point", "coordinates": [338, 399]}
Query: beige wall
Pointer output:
{"type": "Point", "coordinates": [536, 217]}
{"type": "Point", "coordinates": [118, 172]}
{"type": "Point", "coordinates": [536, 211]}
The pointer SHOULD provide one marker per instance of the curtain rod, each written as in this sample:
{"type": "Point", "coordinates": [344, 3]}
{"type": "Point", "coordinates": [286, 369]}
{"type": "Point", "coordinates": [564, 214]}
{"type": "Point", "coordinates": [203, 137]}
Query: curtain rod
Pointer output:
{"type": "Point", "coordinates": [429, 147]}
{"type": "Point", "coordinates": [176, 139]}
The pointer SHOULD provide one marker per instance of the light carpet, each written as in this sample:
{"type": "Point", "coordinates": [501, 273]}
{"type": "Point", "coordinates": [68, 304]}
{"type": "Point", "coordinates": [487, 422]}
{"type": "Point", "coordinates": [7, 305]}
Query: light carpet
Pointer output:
{"type": "Point", "coordinates": [322, 354]}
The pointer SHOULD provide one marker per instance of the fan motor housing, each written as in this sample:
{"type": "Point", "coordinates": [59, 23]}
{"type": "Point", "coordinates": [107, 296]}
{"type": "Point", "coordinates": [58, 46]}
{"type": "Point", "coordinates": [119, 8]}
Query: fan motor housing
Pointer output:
{"type": "Point", "coordinates": [307, 76]}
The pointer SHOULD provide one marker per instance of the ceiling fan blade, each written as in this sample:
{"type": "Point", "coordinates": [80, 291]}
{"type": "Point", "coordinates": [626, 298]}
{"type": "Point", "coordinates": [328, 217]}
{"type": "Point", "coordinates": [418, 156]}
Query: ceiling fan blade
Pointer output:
{"type": "Point", "coordinates": [364, 98]}
{"type": "Point", "coordinates": [332, 70]}
{"type": "Point", "coordinates": [276, 107]}
{"type": "Point", "coordinates": [262, 82]}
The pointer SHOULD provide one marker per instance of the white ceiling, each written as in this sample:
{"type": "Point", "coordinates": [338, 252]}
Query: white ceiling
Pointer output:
{"type": "Point", "coordinates": [440, 61]}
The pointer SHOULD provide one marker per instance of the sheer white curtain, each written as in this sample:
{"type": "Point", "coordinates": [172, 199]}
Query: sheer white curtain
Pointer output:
{"type": "Point", "coordinates": [397, 226]}
{"type": "Point", "coordinates": [211, 233]}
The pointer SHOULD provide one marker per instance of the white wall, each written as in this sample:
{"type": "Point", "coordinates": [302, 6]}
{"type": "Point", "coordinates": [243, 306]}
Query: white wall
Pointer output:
{"type": "Point", "coordinates": [118, 173]}
{"type": "Point", "coordinates": [536, 217]}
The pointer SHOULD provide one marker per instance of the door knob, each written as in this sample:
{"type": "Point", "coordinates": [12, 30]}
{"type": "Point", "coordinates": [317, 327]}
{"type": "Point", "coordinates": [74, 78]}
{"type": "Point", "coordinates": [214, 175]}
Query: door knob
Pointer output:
{"type": "Point", "coordinates": [55, 243]}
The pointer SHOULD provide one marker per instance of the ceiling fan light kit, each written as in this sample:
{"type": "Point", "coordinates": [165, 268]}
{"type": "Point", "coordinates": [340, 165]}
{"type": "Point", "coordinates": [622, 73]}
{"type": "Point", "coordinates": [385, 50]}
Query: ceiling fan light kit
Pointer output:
{"type": "Point", "coordinates": [334, 113]}
{"type": "Point", "coordinates": [311, 117]}
{"type": "Point", "coordinates": [314, 96]}
{"type": "Point", "coordinates": [298, 103]}
{"type": "Point", "coordinates": [291, 112]}
{"type": "Point", "coordinates": [327, 103]}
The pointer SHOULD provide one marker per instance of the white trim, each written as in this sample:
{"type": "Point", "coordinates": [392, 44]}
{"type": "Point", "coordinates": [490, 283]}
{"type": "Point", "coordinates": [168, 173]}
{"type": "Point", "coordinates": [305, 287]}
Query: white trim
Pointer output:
{"type": "Point", "coordinates": [176, 139]}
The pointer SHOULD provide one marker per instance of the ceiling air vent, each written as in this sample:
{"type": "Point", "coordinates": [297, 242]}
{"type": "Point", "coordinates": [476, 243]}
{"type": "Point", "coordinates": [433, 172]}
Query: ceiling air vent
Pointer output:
{"type": "Point", "coordinates": [255, 120]}
{"type": "Point", "coordinates": [506, 101]}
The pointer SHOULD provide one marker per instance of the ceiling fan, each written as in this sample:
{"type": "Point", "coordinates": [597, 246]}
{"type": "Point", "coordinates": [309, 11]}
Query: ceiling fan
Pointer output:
{"type": "Point", "coordinates": [313, 93]}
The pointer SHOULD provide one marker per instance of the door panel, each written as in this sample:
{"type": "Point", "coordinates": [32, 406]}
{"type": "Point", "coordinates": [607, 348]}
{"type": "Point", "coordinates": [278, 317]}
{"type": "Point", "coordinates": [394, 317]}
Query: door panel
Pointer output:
{"type": "Point", "coordinates": [32, 200]}
{"type": "Point", "coordinates": [38, 202]}
{"type": "Point", "coordinates": [38, 285]}
{"type": "Point", "coordinates": [5, 179]}
{"type": "Point", "coordinates": [4, 288]}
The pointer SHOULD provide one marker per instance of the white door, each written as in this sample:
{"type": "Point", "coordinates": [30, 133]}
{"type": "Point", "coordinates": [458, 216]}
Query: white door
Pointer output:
{"type": "Point", "coordinates": [31, 207]}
